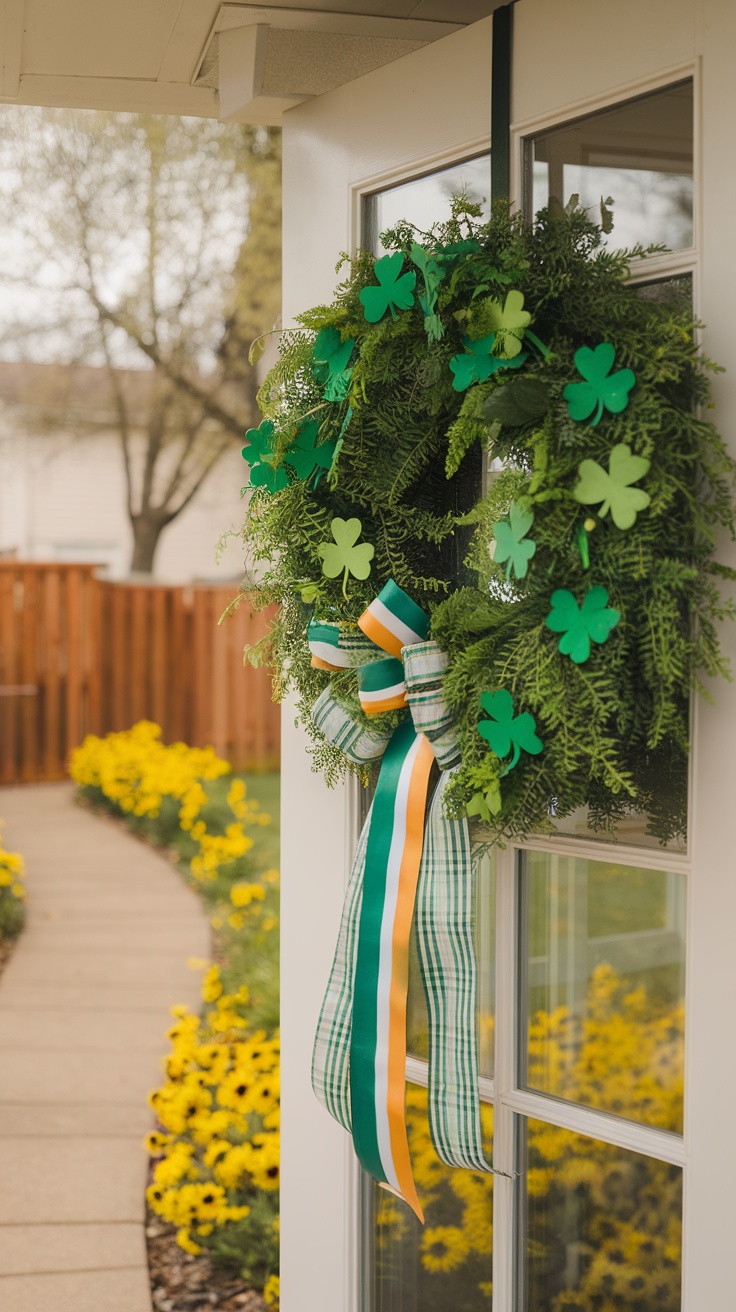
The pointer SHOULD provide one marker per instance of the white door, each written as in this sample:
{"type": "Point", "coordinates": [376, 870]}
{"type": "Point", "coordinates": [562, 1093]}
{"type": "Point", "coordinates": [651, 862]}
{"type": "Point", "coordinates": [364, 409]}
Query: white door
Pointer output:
{"type": "Point", "coordinates": [633, 98]}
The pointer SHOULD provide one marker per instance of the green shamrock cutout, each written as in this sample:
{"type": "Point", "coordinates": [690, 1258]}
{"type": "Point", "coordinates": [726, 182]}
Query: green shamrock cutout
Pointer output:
{"type": "Point", "coordinates": [260, 456]}
{"type": "Point", "coordinates": [601, 388]}
{"type": "Point", "coordinates": [478, 362]}
{"type": "Point", "coordinates": [614, 489]}
{"type": "Point", "coordinates": [304, 455]}
{"type": "Point", "coordinates": [581, 625]}
{"type": "Point", "coordinates": [505, 730]}
{"type": "Point", "coordinates": [485, 805]}
{"type": "Point", "coordinates": [511, 542]}
{"type": "Point", "coordinates": [432, 273]}
{"type": "Point", "coordinates": [344, 555]}
{"type": "Point", "coordinates": [331, 358]}
{"type": "Point", "coordinates": [508, 322]}
{"type": "Point", "coordinates": [393, 292]}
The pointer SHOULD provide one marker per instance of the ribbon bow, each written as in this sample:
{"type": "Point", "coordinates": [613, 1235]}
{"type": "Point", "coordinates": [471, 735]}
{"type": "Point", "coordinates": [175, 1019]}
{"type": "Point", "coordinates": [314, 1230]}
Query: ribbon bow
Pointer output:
{"type": "Point", "coordinates": [358, 1069]}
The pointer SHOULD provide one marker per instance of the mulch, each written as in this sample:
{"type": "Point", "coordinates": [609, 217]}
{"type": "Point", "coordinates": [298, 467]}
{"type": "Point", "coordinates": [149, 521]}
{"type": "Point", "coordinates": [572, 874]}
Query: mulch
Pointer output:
{"type": "Point", "coordinates": [181, 1282]}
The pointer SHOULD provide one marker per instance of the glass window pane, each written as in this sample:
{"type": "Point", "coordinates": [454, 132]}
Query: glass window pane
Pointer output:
{"type": "Point", "coordinates": [604, 952]}
{"type": "Point", "coordinates": [417, 1020]}
{"type": "Point", "coordinates": [632, 827]}
{"type": "Point", "coordinates": [447, 1264]}
{"type": "Point", "coordinates": [427, 200]}
{"type": "Point", "coordinates": [601, 1227]}
{"type": "Point", "coordinates": [675, 293]}
{"type": "Point", "coordinates": [640, 154]}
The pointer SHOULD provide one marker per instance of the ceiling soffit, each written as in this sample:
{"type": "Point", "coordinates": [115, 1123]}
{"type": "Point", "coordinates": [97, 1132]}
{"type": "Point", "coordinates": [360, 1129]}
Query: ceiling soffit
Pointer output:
{"type": "Point", "coordinates": [265, 58]}
{"type": "Point", "coordinates": [175, 56]}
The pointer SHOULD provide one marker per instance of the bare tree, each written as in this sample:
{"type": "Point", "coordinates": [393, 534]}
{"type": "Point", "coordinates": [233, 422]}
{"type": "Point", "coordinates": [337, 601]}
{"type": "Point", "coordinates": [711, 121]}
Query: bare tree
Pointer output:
{"type": "Point", "coordinates": [139, 241]}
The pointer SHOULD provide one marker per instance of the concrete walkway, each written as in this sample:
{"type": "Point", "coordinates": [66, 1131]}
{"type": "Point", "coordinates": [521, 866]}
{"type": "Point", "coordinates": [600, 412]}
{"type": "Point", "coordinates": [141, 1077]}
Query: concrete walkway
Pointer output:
{"type": "Point", "coordinates": [84, 1009]}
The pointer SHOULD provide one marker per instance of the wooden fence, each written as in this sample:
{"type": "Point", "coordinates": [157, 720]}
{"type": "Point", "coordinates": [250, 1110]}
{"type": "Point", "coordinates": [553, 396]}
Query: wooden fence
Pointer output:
{"type": "Point", "coordinates": [80, 655]}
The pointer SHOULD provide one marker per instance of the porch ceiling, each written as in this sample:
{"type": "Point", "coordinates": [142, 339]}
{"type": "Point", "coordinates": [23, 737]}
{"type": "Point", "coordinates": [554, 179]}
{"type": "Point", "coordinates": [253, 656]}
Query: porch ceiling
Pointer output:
{"type": "Point", "coordinates": [173, 56]}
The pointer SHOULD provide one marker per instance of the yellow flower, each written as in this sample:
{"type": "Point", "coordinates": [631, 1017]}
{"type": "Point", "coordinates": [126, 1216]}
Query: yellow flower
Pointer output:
{"type": "Point", "coordinates": [222, 1020]}
{"type": "Point", "coordinates": [18, 890]}
{"type": "Point", "coordinates": [265, 1158]}
{"type": "Point", "coordinates": [211, 985]}
{"type": "Point", "coordinates": [185, 1241]}
{"type": "Point", "coordinates": [215, 1152]}
{"type": "Point", "coordinates": [236, 920]}
{"type": "Point", "coordinates": [443, 1248]}
{"type": "Point", "coordinates": [232, 1167]}
{"type": "Point", "coordinates": [156, 1142]}
{"type": "Point", "coordinates": [241, 895]}
{"type": "Point", "coordinates": [173, 1168]}
{"type": "Point", "coordinates": [236, 1089]}
{"type": "Point", "coordinates": [271, 1293]}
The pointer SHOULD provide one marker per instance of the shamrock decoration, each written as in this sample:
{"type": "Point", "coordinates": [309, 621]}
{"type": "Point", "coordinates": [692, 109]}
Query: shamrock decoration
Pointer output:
{"type": "Point", "coordinates": [505, 730]}
{"type": "Point", "coordinates": [344, 555]}
{"type": "Point", "coordinates": [260, 456]}
{"type": "Point", "coordinates": [509, 545]}
{"type": "Point", "coordinates": [331, 357]}
{"type": "Point", "coordinates": [614, 488]}
{"type": "Point", "coordinates": [433, 273]}
{"type": "Point", "coordinates": [602, 389]}
{"type": "Point", "coordinates": [508, 323]}
{"type": "Point", "coordinates": [304, 455]}
{"type": "Point", "coordinates": [485, 805]}
{"type": "Point", "coordinates": [591, 622]}
{"type": "Point", "coordinates": [478, 362]}
{"type": "Point", "coordinates": [393, 292]}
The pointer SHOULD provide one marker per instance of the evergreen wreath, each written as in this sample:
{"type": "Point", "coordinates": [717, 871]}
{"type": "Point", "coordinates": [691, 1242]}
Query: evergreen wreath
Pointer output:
{"type": "Point", "coordinates": [518, 434]}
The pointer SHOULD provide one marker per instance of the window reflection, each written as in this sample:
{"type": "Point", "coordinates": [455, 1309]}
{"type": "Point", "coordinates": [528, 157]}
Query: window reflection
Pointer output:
{"type": "Point", "coordinates": [604, 947]}
{"type": "Point", "coordinates": [447, 1264]}
{"type": "Point", "coordinates": [427, 200]}
{"type": "Point", "coordinates": [640, 154]}
{"type": "Point", "coordinates": [602, 1227]}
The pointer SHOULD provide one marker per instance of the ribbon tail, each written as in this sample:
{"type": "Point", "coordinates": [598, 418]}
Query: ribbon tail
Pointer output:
{"type": "Point", "coordinates": [446, 946]}
{"type": "Point", "coordinates": [331, 1053]}
{"type": "Point", "coordinates": [378, 1043]}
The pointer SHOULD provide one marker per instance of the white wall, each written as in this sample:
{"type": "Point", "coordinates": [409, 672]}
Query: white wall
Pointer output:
{"type": "Point", "coordinates": [433, 101]}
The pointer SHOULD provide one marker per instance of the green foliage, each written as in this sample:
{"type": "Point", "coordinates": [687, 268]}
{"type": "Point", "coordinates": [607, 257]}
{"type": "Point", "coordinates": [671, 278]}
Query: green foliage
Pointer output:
{"type": "Point", "coordinates": [12, 916]}
{"type": "Point", "coordinates": [410, 448]}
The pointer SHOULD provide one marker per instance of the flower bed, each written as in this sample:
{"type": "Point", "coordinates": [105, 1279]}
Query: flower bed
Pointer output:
{"type": "Point", "coordinates": [12, 899]}
{"type": "Point", "coordinates": [216, 1153]}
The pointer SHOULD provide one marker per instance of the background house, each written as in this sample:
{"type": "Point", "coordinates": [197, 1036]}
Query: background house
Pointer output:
{"type": "Point", "coordinates": [62, 484]}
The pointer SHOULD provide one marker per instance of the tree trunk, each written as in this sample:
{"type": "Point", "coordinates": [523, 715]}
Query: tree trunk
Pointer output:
{"type": "Point", "coordinates": [146, 533]}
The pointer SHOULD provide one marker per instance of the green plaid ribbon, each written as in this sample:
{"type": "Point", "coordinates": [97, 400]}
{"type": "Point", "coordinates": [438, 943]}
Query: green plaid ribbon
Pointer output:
{"type": "Point", "coordinates": [444, 919]}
